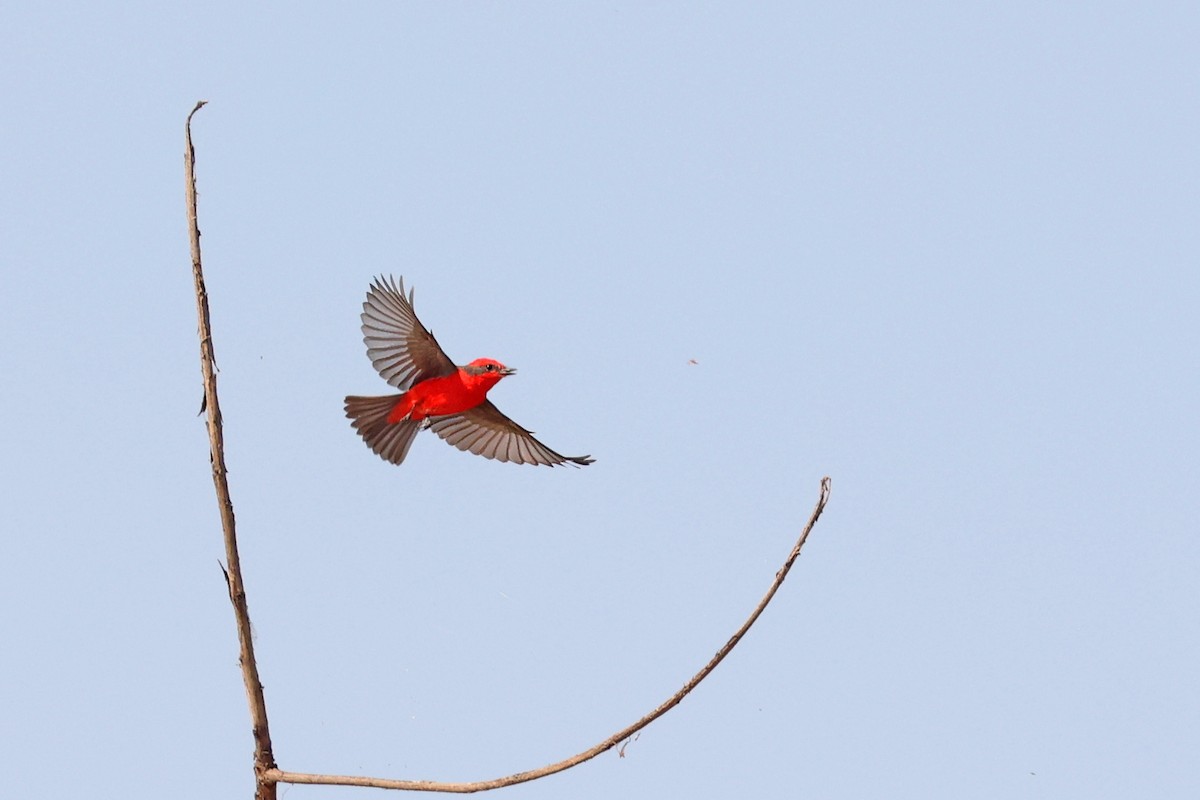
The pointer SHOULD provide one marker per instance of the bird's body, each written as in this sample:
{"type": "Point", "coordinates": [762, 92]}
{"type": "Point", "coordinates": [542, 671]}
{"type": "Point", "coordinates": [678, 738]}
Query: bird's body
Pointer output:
{"type": "Point", "coordinates": [450, 400]}
{"type": "Point", "coordinates": [455, 393]}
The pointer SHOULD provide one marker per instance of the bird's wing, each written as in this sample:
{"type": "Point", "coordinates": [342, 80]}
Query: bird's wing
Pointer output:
{"type": "Point", "coordinates": [399, 346]}
{"type": "Point", "coordinates": [486, 432]}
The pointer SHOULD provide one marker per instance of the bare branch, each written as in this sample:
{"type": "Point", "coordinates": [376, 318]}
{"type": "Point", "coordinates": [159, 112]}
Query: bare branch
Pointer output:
{"type": "Point", "coordinates": [264, 760]}
{"type": "Point", "coordinates": [612, 741]}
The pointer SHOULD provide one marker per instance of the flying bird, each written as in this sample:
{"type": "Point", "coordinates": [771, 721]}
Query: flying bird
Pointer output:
{"type": "Point", "coordinates": [434, 393]}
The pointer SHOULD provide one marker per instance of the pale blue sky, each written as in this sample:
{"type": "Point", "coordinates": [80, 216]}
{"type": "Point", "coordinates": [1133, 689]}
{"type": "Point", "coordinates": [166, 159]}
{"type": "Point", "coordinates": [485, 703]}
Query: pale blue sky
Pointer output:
{"type": "Point", "coordinates": [944, 253]}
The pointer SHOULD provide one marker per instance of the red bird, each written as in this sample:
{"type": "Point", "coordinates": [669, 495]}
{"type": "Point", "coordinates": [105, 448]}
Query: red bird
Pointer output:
{"type": "Point", "coordinates": [435, 394]}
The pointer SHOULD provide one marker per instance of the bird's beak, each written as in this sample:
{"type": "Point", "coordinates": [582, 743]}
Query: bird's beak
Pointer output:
{"type": "Point", "coordinates": [508, 371]}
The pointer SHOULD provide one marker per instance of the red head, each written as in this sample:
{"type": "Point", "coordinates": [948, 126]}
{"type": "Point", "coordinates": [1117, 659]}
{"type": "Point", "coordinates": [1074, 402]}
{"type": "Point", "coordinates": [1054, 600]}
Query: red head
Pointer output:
{"type": "Point", "coordinates": [487, 371]}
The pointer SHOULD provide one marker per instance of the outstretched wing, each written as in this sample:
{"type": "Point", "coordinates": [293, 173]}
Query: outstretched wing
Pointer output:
{"type": "Point", "coordinates": [486, 432]}
{"type": "Point", "coordinates": [399, 346]}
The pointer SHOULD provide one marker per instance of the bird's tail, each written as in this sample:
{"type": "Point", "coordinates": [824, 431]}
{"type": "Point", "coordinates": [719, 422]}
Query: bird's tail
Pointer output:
{"type": "Point", "coordinates": [390, 441]}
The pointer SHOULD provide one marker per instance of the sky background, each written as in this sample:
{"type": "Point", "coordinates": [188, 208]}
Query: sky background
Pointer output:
{"type": "Point", "coordinates": [945, 253]}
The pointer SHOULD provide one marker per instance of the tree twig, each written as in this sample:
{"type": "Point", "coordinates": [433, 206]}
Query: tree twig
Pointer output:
{"type": "Point", "coordinates": [283, 776]}
{"type": "Point", "coordinates": [264, 759]}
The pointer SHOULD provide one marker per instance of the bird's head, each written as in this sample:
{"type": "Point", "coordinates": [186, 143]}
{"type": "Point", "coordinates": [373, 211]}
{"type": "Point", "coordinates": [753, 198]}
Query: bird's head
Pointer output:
{"type": "Point", "coordinates": [488, 370]}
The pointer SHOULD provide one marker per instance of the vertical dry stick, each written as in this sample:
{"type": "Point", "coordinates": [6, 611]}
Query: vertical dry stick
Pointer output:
{"type": "Point", "coordinates": [264, 759]}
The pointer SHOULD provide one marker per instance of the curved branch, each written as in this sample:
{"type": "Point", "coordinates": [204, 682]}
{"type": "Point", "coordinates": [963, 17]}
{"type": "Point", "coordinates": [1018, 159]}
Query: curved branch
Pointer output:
{"type": "Point", "coordinates": [282, 776]}
{"type": "Point", "coordinates": [264, 760]}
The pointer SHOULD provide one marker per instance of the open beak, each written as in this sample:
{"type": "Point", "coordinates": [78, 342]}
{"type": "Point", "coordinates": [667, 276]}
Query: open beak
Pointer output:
{"type": "Point", "coordinates": [508, 371]}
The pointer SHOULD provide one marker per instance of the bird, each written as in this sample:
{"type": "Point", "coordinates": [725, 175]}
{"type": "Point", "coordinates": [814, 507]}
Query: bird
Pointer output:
{"type": "Point", "coordinates": [434, 393]}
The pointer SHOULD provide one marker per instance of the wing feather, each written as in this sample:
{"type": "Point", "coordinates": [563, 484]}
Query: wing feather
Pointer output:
{"type": "Point", "coordinates": [401, 349]}
{"type": "Point", "coordinates": [485, 431]}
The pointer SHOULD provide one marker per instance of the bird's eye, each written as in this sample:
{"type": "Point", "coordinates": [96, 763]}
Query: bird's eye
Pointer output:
{"type": "Point", "coordinates": [491, 367]}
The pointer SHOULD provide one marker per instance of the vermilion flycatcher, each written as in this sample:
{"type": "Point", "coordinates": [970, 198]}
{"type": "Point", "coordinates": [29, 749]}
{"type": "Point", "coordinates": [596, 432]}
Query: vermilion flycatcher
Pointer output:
{"type": "Point", "coordinates": [451, 401]}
